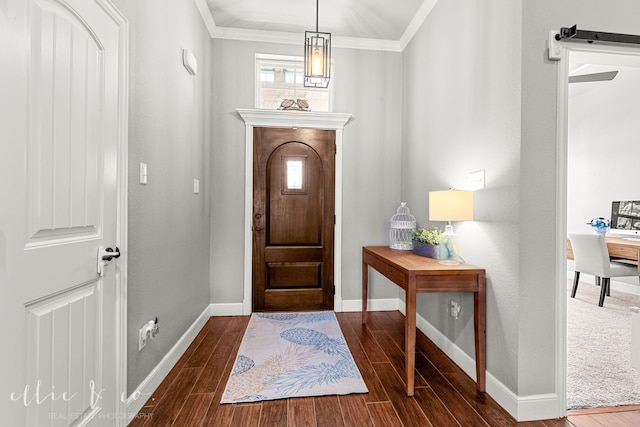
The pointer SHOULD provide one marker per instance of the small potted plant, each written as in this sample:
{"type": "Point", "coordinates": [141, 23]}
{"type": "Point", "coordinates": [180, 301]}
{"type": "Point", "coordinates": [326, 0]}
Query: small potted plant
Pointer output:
{"type": "Point", "coordinates": [429, 242]}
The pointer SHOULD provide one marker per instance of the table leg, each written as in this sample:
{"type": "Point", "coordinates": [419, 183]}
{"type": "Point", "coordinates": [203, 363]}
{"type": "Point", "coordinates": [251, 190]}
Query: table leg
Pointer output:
{"type": "Point", "coordinates": [479, 326]}
{"type": "Point", "coordinates": [365, 291]}
{"type": "Point", "coordinates": [410, 337]}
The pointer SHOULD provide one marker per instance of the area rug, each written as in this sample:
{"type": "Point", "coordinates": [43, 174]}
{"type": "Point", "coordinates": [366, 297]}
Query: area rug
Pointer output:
{"type": "Point", "coordinates": [599, 371]}
{"type": "Point", "coordinates": [286, 355]}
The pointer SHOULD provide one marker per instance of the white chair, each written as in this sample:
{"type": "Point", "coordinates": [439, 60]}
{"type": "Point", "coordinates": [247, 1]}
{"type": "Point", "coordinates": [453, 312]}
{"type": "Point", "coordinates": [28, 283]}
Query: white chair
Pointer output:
{"type": "Point", "coordinates": [592, 257]}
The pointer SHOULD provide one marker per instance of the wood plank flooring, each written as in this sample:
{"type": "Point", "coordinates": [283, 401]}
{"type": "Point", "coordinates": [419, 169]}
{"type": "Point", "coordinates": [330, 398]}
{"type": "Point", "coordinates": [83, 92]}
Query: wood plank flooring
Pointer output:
{"type": "Point", "coordinates": [444, 394]}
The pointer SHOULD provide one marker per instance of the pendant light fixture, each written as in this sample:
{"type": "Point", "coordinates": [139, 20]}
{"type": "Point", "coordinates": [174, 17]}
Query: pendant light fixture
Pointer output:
{"type": "Point", "coordinates": [317, 57]}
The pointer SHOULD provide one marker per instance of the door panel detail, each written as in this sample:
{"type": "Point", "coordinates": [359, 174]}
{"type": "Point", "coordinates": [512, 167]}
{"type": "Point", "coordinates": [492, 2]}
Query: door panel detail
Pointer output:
{"type": "Point", "coordinates": [295, 215]}
{"type": "Point", "coordinates": [283, 275]}
{"type": "Point", "coordinates": [63, 351]}
{"type": "Point", "coordinates": [65, 108]}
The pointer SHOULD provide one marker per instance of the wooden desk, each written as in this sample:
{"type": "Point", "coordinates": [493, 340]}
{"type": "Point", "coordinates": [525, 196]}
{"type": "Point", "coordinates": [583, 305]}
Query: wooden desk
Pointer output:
{"type": "Point", "coordinates": [619, 248]}
{"type": "Point", "coordinates": [415, 273]}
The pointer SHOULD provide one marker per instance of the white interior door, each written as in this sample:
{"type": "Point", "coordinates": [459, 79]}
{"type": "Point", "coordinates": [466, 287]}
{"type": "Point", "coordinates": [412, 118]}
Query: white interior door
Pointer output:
{"type": "Point", "coordinates": [62, 130]}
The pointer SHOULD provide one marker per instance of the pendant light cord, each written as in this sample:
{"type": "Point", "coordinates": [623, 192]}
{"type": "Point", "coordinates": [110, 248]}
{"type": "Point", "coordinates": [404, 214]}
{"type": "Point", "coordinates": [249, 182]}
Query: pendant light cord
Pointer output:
{"type": "Point", "coordinates": [317, 12]}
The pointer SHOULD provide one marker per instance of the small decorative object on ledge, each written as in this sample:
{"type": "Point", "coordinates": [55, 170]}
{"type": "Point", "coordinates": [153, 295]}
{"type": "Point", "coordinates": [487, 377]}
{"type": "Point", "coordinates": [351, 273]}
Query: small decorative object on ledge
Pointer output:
{"type": "Point", "coordinates": [430, 243]}
{"type": "Point", "coordinates": [600, 225]}
{"type": "Point", "coordinates": [403, 225]}
{"type": "Point", "coordinates": [290, 104]}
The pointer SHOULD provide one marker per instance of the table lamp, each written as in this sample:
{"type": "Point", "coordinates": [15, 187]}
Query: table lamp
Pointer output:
{"type": "Point", "coordinates": [451, 205]}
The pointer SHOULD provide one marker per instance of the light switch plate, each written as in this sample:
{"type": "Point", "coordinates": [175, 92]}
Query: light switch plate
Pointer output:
{"type": "Point", "coordinates": [196, 186]}
{"type": "Point", "coordinates": [476, 180]}
{"type": "Point", "coordinates": [143, 173]}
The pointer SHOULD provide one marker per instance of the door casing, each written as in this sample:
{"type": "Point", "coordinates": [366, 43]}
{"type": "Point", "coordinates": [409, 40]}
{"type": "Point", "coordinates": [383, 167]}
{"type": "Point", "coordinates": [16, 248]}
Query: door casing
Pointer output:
{"type": "Point", "coordinates": [290, 119]}
{"type": "Point", "coordinates": [560, 51]}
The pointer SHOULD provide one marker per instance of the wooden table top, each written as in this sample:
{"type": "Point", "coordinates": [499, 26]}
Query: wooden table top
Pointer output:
{"type": "Point", "coordinates": [410, 261]}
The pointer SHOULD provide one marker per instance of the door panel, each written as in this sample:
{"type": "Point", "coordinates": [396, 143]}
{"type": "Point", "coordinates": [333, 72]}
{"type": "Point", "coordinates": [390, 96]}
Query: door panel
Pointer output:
{"type": "Point", "coordinates": [294, 214]}
{"type": "Point", "coordinates": [66, 85]}
{"type": "Point", "coordinates": [293, 219]}
{"type": "Point", "coordinates": [291, 275]}
{"type": "Point", "coordinates": [60, 317]}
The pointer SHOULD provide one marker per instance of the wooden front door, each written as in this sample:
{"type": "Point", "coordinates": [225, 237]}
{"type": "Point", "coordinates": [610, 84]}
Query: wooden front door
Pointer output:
{"type": "Point", "coordinates": [293, 219]}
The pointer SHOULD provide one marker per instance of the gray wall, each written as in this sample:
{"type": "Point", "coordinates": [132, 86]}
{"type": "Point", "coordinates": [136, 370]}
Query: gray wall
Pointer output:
{"type": "Point", "coordinates": [462, 114]}
{"type": "Point", "coordinates": [168, 269]}
{"type": "Point", "coordinates": [368, 85]}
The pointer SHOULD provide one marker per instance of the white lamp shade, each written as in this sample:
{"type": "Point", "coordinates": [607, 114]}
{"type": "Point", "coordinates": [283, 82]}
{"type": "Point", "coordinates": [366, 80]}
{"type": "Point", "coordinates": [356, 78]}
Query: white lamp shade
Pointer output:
{"type": "Point", "coordinates": [451, 205]}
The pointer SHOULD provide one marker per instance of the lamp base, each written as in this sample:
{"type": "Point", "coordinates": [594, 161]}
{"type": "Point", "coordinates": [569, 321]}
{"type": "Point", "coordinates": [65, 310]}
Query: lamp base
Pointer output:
{"type": "Point", "coordinates": [449, 262]}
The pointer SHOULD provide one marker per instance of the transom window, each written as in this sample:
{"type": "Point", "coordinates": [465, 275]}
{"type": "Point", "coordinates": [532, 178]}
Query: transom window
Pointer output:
{"type": "Point", "coordinates": [280, 78]}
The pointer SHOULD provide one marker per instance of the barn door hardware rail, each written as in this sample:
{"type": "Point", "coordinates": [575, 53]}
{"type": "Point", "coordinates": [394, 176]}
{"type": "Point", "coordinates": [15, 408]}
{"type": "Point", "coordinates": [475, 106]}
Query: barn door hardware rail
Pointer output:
{"type": "Point", "coordinates": [596, 36]}
{"type": "Point", "coordinates": [573, 33]}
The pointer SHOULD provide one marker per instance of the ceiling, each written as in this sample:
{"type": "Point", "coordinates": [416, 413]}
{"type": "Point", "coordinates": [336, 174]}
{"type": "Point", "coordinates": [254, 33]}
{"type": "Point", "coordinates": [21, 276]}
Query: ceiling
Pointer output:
{"type": "Point", "coordinates": [368, 24]}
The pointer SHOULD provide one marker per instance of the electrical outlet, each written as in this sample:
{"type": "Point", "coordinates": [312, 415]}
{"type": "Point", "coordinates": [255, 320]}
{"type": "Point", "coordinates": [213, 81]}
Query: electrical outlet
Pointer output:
{"type": "Point", "coordinates": [148, 331]}
{"type": "Point", "coordinates": [455, 309]}
{"type": "Point", "coordinates": [155, 330]}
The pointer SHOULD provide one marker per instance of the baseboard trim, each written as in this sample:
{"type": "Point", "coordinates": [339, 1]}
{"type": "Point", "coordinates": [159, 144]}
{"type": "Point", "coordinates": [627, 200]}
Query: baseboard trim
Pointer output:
{"type": "Point", "coordinates": [539, 407]}
{"type": "Point", "coordinates": [229, 309]}
{"type": "Point", "coordinates": [138, 397]}
{"type": "Point", "coordinates": [235, 309]}
{"type": "Point", "coordinates": [390, 304]}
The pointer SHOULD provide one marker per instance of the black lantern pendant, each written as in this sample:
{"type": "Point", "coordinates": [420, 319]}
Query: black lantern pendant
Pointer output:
{"type": "Point", "coordinates": [317, 57]}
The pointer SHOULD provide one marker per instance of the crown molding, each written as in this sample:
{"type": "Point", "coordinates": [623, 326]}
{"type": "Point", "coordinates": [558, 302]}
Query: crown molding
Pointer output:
{"type": "Point", "coordinates": [415, 24]}
{"type": "Point", "coordinates": [242, 34]}
{"type": "Point", "coordinates": [206, 15]}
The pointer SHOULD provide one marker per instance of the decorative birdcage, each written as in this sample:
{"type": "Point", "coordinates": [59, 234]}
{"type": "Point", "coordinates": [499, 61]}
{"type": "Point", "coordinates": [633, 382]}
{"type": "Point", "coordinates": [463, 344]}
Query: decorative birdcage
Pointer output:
{"type": "Point", "coordinates": [402, 226]}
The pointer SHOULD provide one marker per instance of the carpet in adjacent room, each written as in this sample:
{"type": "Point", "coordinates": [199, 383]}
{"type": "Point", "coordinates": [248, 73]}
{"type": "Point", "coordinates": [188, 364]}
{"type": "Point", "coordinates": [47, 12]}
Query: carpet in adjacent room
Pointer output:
{"type": "Point", "coordinates": [599, 371]}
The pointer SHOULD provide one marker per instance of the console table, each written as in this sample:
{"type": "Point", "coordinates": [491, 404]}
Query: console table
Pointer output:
{"type": "Point", "coordinates": [415, 273]}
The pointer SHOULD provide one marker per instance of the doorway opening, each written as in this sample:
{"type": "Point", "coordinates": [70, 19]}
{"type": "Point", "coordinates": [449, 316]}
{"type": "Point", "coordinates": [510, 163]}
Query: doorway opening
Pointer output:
{"type": "Point", "coordinates": [596, 92]}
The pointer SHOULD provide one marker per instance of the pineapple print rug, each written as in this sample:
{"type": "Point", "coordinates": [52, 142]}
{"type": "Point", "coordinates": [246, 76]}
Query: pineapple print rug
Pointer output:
{"type": "Point", "coordinates": [286, 355]}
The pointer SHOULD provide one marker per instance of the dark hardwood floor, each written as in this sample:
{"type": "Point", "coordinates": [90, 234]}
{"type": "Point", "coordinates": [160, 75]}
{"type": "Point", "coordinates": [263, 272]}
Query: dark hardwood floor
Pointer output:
{"type": "Point", "coordinates": [444, 394]}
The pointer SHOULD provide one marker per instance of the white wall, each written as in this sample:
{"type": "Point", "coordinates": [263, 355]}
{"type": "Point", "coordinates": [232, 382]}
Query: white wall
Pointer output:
{"type": "Point", "coordinates": [604, 147]}
{"type": "Point", "coordinates": [168, 270]}
{"type": "Point", "coordinates": [368, 85]}
{"type": "Point", "coordinates": [462, 114]}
